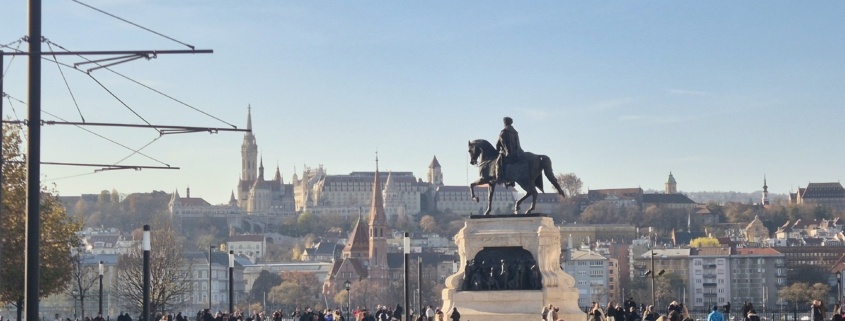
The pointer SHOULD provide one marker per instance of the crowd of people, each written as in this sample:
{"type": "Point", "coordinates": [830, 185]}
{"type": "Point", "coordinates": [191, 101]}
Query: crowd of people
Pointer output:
{"type": "Point", "coordinates": [627, 311]}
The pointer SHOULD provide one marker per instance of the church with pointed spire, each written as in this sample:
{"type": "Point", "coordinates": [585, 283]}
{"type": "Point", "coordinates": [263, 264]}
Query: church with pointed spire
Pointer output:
{"type": "Point", "coordinates": [365, 255]}
{"type": "Point", "coordinates": [255, 195]}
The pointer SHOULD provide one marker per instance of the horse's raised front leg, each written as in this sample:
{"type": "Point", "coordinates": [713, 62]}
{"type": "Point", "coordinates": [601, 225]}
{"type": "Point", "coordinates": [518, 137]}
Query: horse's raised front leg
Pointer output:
{"type": "Point", "coordinates": [491, 187]}
{"type": "Point", "coordinates": [472, 191]}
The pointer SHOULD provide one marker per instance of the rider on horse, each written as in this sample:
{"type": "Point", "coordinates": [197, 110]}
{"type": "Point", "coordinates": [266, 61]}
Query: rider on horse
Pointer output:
{"type": "Point", "coordinates": [510, 152]}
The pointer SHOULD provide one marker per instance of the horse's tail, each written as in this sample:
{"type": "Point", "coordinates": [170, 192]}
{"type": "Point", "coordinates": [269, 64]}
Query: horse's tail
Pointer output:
{"type": "Point", "coordinates": [546, 163]}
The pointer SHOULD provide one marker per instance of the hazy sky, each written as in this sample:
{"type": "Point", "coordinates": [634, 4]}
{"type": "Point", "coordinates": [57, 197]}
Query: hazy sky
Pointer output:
{"type": "Point", "coordinates": [620, 93]}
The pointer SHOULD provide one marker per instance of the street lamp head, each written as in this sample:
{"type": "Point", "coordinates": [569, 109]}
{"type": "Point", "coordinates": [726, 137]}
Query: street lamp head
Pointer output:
{"type": "Point", "coordinates": [839, 275]}
{"type": "Point", "coordinates": [347, 285]}
{"type": "Point", "coordinates": [647, 273]}
{"type": "Point", "coordinates": [661, 272]}
{"type": "Point", "coordinates": [101, 268]}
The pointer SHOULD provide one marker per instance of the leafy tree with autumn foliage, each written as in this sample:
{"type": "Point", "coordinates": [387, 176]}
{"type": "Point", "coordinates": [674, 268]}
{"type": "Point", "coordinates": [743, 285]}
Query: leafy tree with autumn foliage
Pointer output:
{"type": "Point", "coordinates": [428, 223]}
{"type": "Point", "coordinates": [704, 242]}
{"type": "Point", "coordinates": [58, 230]}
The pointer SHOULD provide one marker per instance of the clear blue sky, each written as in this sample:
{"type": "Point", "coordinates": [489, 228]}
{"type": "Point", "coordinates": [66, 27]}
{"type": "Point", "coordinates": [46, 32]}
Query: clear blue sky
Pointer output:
{"type": "Point", "coordinates": [618, 92]}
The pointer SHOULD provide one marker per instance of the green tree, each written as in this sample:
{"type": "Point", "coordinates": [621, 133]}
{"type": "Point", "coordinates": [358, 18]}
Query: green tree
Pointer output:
{"type": "Point", "coordinates": [58, 230]}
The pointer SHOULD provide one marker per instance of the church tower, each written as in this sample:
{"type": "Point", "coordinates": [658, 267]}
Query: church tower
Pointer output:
{"type": "Point", "coordinates": [765, 192]}
{"type": "Point", "coordinates": [249, 160]}
{"type": "Point", "coordinates": [378, 233]}
{"type": "Point", "coordinates": [671, 185]}
{"type": "Point", "coordinates": [435, 176]}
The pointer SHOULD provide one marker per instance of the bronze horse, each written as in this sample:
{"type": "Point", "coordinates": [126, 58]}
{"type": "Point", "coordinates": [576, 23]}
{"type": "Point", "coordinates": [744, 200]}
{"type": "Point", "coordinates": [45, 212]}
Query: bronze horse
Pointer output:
{"type": "Point", "coordinates": [526, 173]}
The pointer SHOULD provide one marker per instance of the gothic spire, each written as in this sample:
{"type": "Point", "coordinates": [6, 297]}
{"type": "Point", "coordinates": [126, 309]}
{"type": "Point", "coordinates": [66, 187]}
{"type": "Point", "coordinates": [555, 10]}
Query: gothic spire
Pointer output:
{"type": "Point", "coordinates": [249, 117]}
{"type": "Point", "coordinates": [278, 176]}
{"type": "Point", "coordinates": [377, 216]}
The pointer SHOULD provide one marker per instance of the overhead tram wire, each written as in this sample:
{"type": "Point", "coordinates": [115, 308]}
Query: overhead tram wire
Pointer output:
{"type": "Point", "coordinates": [123, 103]}
{"type": "Point", "coordinates": [66, 84]}
{"type": "Point", "coordinates": [134, 151]}
{"type": "Point", "coordinates": [134, 24]}
{"type": "Point", "coordinates": [156, 52]}
{"type": "Point", "coordinates": [19, 42]}
{"type": "Point", "coordinates": [141, 84]}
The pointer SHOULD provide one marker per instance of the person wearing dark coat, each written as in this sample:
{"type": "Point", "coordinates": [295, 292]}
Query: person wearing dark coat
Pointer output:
{"type": "Point", "coordinates": [397, 312]}
{"type": "Point", "coordinates": [455, 315]}
{"type": "Point", "coordinates": [632, 314]}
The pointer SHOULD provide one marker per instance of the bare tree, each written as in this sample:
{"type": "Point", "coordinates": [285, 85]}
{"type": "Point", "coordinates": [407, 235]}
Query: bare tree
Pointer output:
{"type": "Point", "coordinates": [169, 273]}
{"type": "Point", "coordinates": [83, 277]}
{"type": "Point", "coordinates": [570, 183]}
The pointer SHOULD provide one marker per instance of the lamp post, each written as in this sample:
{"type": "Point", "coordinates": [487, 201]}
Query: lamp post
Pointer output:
{"type": "Point", "coordinates": [653, 299]}
{"type": "Point", "coordinates": [100, 312]}
{"type": "Point", "coordinates": [407, 250]}
{"type": "Point", "coordinates": [838, 287]}
{"type": "Point", "coordinates": [348, 285]}
{"type": "Point", "coordinates": [146, 289]}
{"type": "Point", "coordinates": [231, 282]}
{"type": "Point", "coordinates": [209, 277]}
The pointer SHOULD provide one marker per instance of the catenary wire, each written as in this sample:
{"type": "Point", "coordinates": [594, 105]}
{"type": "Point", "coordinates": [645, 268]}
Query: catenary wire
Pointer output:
{"type": "Point", "coordinates": [145, 86]}
{"type": "Point", "coordinates": [19, 41]}
{"type": "Point", "coordinates": [134, 24]}
{"type": "Point", "coordinates": [98, 135]}
{"type": "Point", "coordinates": [66, 84]}
{"type": "Point", "coordinates": [121, 101]}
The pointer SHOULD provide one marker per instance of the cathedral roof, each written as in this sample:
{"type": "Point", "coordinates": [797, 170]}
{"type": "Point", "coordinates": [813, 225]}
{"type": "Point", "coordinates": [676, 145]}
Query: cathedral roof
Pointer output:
{"type": "Point", "coordinates": [358, 240]}
{"type": "Point", "coordinates": [434, 163]}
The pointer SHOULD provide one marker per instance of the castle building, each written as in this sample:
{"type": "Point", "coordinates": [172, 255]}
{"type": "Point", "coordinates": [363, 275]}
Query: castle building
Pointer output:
{"type": "Point", "coordinates": [346, 195]}
{"type": "Point", "coordinates": [820, 194]}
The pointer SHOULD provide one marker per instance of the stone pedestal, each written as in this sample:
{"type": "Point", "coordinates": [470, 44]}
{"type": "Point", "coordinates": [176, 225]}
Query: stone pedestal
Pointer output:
{"type": "Point", "coordinates": [534, 233]}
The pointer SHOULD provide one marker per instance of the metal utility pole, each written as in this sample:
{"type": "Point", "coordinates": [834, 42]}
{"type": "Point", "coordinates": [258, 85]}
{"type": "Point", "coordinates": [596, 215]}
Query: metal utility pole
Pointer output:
{"type": "Point", "coordinates": [33, 159]}
{"type": "Point", "coordinates": [146, 289]}
{"type": "Point", "coordinates": [101, 269]}
{"type": "Point", "coordinates": [231, 283]}
{"type": "Point", "coordinates": [209, 278]}
{"type": "Point", "coordinates": [419, 283]}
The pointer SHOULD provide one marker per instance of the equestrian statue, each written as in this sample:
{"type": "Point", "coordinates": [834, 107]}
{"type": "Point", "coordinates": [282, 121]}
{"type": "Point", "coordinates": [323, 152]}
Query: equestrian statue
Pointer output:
{"type": "Point", "coordinates": [508, 164]}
